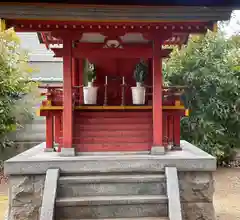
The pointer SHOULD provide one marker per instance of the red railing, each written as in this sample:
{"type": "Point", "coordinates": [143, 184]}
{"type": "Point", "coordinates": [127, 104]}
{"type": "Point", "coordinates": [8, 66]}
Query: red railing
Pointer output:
{"type": "Point", "coordinates": [54, 94]}
{"type": "Point", "coordinates": [171, 116]}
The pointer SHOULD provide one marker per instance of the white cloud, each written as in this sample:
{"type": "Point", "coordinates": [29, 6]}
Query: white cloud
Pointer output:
{"type": "Point", "coordinates": [234, 25]}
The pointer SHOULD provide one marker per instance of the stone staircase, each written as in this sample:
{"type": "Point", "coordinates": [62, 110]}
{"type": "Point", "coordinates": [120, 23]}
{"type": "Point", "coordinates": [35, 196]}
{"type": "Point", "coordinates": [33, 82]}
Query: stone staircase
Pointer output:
{"type": "Point", "coordinates": [118, 195]}
{"type": "Point", "coordinates": [112, 196]}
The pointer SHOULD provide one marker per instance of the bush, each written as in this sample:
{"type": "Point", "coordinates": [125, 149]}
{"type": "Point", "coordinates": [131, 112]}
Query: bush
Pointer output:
{"type": "Point", "coordinates": [14, 84]}
{"type": "Point", "coordinates": [209, 66]}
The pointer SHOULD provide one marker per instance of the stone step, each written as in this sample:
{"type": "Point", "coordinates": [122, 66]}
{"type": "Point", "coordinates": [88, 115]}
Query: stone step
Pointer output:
{"type": "Point", "coordinates": [144, 218]}
{"type": "Point", "coordinates": [128, 206]}
{"type": "Point", "coordinates": [140, 184]}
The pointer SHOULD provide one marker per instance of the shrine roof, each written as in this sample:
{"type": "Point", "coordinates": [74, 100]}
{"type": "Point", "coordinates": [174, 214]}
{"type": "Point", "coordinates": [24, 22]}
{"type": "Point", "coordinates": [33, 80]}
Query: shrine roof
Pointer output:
{"type": "Point", "coordinates": [112, 13]}
{"type": "Point", "coordinates": [209, 3]}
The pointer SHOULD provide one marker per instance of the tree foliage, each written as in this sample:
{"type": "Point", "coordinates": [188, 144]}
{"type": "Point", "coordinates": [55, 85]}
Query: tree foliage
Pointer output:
{"type": "Point", "coordinates": [14, 82]}
{"type": "Point", "coordinates": [210, 67]}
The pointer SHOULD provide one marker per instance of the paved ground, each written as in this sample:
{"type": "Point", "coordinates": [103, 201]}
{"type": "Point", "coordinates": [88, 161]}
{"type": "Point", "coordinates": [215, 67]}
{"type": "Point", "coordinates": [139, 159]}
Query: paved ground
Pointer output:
{"type": "Point", "coordinates": [3, 199]}
{"type": "Point", "coordinates": [226, 199]}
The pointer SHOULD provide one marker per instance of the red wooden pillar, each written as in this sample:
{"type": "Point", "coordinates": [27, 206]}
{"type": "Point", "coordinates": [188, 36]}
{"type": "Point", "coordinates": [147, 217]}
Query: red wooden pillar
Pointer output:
{"type": "Point", "coordinates": [67, 37]}
{"type": "Point", "coordinates": [165, 129]}
{"type": "Point", "coordinates": [57, 127]}
{"type": "Point", "coordinates": [49, 133]}
{"type": "Point", "coordinates": [75, 80]}
{"type": "Point", "coordinates": [170, 128]}
{"type": "Point", "coordinates": [157, 111]}
{"type": "Point", "coordinates": [67, 149]}
{"type": "Point", "coordinates": [177, 132]}
{"type": "Point", "coordinates": [75, 77]}
{"type": "Point", "coordinates": [81, 78]}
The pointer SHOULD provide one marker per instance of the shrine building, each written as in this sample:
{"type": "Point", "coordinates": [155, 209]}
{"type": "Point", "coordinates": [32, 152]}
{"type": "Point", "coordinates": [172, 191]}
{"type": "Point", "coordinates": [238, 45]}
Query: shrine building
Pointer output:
{"type": "Point", "coordinates": [113, 145]}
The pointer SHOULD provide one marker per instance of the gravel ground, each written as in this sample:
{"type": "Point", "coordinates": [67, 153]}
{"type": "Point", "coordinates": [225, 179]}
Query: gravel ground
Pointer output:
{"type": "Point", "coordinates": [227, 194]}
{"type": "Point", "coordinates": [226, 198]}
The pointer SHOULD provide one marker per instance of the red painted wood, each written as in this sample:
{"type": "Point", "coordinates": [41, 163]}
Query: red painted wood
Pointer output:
{"type": "Point", "coordinates": [115, 67]}
{"type": "Point", "coordinates": [176, 39]}
{"type": "Point", "coordinates": [113, 147]}
{"type": "Point", "coordinates": [157, 96]}
{"type": "Point", "coordinates": [49, 131]}
{"type": "Point", "coordinates": [131, 52]}
{"type": "Point", "coordinates": [57, 127]}
{"type": "Point", "coordinates": [81, 79]}
{"type": "Point", "coordinates": [112, 140]}
{"type": "Point", "coordinates": [67, 94]}
{"type": "Point", "coordinates": [165, 130]}
{"type": "Point", "coordinates": [108, 27]}
{"type": "Point", "coordinates": [107, 127]}
{"type": "Point", "coordinates": [96, 46]}
{"type": "Point", "coordinates": [113, 133]}
{"type": "Point", "coordinates": [115, 114]}
{"type": "Point", "coordinates": [75, 69]}
{"type": "Point", "coordinates": [110, 121]}
{"type": "Point", "coordinates": [177, 130]}
{"type": "Point", "coordinates": [170, 128]}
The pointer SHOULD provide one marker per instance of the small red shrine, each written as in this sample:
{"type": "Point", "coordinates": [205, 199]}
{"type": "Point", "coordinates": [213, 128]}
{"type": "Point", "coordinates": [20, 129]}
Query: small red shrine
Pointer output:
{"type": "Point", "coordinates": [114, 39]}
{"type": "Point", "coordinates": [113, 101]}
{"type": "Point", "coordinates": [114, 123]}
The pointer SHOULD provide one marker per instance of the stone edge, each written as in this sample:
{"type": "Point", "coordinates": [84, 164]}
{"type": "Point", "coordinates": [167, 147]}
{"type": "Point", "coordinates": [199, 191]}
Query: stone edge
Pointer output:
{"type": "Point", "coordinates": [24, 164]}
{"type": "Point", "coordinates": [49, 195]}
{"type": "Point", "coordinates": [173, 194]}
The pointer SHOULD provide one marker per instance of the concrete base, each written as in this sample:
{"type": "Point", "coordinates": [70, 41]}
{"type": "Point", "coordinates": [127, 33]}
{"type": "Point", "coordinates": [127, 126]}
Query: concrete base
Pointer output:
{"type": "Point", "coordinates": [36, 161]}
{"type": "Point", "coordinates": [67, 152]}
{"type": "Point", "coordinates": [105, 176]}
{"type": "Point", "coordinates": [157, 150]}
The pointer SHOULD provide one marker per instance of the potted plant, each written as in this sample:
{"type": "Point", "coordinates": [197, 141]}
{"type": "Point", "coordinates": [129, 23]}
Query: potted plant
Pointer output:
{"type": "Point", "coordinates": [90, 91]}
{"type": "Point", "coordinates": [138, 92]}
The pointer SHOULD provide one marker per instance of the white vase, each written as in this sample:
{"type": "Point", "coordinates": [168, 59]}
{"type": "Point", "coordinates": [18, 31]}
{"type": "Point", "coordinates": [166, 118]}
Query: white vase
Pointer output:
{"type": "Point", "coordinates": [138, 94]}
{"type": "Point", "coordinates": [90, 94]}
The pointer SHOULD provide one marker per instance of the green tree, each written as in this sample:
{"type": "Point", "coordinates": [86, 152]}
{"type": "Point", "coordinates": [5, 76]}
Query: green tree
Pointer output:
{"type": "Point", "coordinates": [210, 67]}
{"type": "Point", "coordinates": [14, 83]}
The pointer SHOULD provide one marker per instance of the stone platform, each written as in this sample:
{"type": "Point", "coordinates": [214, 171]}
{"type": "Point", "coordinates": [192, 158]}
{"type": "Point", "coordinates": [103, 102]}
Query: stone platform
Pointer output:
{"type": "Point", "coordinates": [27, 173]}
{"type": "Point", "coordinates": [36, 161]}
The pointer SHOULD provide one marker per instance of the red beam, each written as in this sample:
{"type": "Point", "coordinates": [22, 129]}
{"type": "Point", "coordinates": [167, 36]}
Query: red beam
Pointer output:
{"type": "Point", "coordinates": [176, 39]}
{"type": "Point", "coordinates": [87, 46]}
{"type": "Point", "coordinates": [112, 52]}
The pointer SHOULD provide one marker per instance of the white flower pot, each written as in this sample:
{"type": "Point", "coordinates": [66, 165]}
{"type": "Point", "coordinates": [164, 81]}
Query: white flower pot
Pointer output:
{"type": "Point", "coordinates": [90, 94]}
{"type": "Point", "coordinates": [138, 94]}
